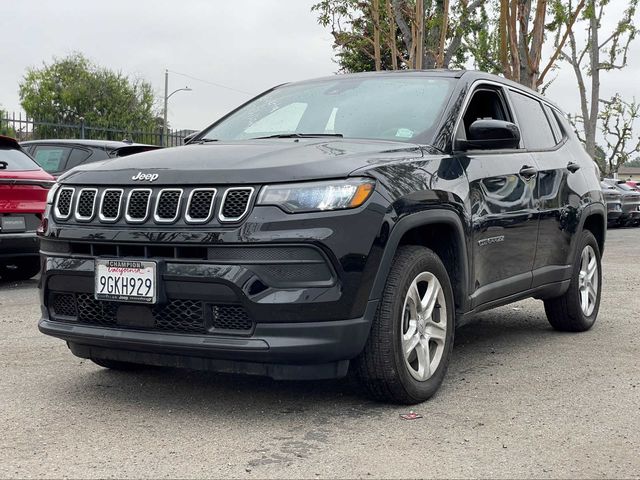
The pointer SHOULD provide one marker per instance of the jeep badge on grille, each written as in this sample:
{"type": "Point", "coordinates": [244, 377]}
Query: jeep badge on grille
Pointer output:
{"type": "Point", "coordinates": [151, 177]}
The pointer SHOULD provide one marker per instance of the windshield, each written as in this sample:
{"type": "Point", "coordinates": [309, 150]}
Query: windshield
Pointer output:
{"type": "Point", "coordinates": [12, 160]}
{"type": "Point", "coordinates": [401, 108]}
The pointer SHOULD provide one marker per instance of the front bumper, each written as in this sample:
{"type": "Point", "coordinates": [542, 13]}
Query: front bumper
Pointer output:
{"type": "Point", "coordinates": [302, 282]}
{"type": "Point", "coordinates": [283, 351]}
{"type": "Point", "coordinates": [18, 245]}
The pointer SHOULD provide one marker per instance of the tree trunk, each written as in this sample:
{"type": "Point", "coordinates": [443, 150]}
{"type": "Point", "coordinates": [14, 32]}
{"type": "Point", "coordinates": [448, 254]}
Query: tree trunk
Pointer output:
{"type": "Point", "coordinates": [419, 38]}
{"type": "Point", "coordinates": [407, 33]}
{"type": "Point", "coordinates": [535, 49]}
{"type": "Point", "coordinates": [591, 123]}
{"type": "Point", "coordinates": [375, 10]}
{"type": "Point", "coordinates": [524, 10]}
{"type": "Point", "coordinates": [504, 41]}
{"type": "Point", "coordinates": [391, 39]}
{"type": "Point", "coordinates": [444, 25]}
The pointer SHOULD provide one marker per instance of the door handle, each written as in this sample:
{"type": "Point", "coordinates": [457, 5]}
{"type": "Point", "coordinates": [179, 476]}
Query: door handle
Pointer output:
{"type": "Point", "coordinates": [528, 171]}
{"type": "Point", "coordinates": [573, 167]}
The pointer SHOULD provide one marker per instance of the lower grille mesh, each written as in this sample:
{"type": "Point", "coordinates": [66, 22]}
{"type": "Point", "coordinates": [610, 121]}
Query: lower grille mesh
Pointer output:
{"type": "Point", "coordinates": [230, 317]}
{"type": "Point", "coordinates": [179, 315]}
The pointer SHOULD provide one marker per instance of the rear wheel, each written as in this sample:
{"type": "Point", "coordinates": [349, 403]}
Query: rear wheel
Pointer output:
{"type": "Point", "coordinates": [20, 268]}
{"type": "Point", "coordinates": [409, 347]}
{"type": "Point", "coordinates": [577, 309]}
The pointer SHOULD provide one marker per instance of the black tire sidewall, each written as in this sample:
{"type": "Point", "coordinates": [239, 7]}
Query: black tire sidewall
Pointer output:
{"type": "Point", "coordinates": [587, 239]}
{"type": "Point", "coordinates": [428, 262]}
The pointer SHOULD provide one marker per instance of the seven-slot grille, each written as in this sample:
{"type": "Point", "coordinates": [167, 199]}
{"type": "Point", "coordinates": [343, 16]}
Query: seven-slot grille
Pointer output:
{"type": "Point", "coordinates": [63, 206]}
{"type": "Point", "coordinates": [200, 205]}
{"type": "Point", "coordinates": [235, 204]}
{"type": "Point", "coordinates": [138, 205]}
{"type": "Point", "coordinates": [86, 204]}
{"type": "Point", "coordinates": [159, 205]}
{"type": "Point", "coordinates": [110, 205]}
{"type": "Point", "coordinates": [168, 205]}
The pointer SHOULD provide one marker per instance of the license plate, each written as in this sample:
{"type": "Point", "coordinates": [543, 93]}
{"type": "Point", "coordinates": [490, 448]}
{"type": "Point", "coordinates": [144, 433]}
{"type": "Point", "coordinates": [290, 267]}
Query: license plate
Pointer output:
{"type": "Point", "coordinates": [12, 224]}
{"type": "Point", "coordinates": [125, 281]}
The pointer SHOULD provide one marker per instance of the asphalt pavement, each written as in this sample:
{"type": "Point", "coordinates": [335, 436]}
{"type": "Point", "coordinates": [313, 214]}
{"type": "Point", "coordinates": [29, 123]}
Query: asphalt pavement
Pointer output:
{"type": "Point", "coordinates": [520, 400]}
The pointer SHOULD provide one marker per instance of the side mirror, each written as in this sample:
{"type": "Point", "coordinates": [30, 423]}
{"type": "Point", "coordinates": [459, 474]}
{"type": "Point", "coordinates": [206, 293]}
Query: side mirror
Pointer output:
{"type": "Point", "coordinates": [491, 134]}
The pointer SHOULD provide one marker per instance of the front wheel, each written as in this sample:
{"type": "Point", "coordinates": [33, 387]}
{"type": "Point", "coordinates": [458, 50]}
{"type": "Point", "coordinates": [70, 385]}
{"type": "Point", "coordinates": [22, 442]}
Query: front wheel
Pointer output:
{"type": "Point", "coordinates": [577, 309]}
{"type": "Point", "coordinates": [409, 347]}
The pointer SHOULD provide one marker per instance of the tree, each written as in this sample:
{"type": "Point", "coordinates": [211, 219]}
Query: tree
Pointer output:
{"type": "Point", "coordinates": [73, 89]}
{"type": "Point", "coordinates": [617, 120]}
{"type": "Point", "coordinates": [522, 36]}
{"type": "Point", "coordinates": [398, 34]}
{"type": "Point", "coordinates": [500, 36]}
{"type": "Point", "coordinates": [5, 129]}
{"type": "Point", "coordinates": [597, 56]}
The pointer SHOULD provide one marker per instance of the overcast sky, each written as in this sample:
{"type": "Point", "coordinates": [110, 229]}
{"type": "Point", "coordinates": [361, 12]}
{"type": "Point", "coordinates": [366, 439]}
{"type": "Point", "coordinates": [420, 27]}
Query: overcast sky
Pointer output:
{"type": "Point", "coordinates": [247, 45]}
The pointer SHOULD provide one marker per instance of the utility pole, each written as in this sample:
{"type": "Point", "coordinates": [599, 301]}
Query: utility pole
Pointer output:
{"type": "Point", "coordinates": [167, 95]}
{"type": "Point", "coordinates": [166, 101]}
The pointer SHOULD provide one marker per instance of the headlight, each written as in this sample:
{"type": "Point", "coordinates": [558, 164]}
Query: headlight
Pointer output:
{"type": "Point", "coordinates": [52, 193]}
{"type": "Point", "coordinates": [318, 196]}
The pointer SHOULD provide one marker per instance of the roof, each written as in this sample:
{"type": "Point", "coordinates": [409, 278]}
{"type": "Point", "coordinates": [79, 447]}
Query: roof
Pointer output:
{"type": "Point", "coordinates": [470, 75]}
{"type": "Point", "coordinates": [629, 170]}
{"type": "Point", "coordinates": [106, 144]}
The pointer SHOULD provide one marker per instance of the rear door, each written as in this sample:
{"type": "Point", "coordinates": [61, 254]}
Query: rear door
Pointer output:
{"type": "Point", "coordinates": [501, 196]}
{"type": "Point", "coordinates": [559, 180]}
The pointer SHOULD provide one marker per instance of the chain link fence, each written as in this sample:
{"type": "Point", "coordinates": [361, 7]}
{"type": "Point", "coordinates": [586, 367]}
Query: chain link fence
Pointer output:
{"type": "Point", "coordinates": [24, 128]}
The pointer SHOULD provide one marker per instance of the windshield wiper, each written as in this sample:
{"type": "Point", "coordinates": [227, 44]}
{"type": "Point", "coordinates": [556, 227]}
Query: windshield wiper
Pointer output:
{"type": "Point", "coordinates": [206, 140]}
{"type": "Point", "coordinates": [300, 135]}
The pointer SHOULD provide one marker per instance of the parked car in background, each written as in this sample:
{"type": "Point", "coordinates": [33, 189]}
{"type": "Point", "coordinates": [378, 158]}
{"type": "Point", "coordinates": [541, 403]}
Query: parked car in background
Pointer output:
{"type": "Point", "coordinates": [58, 156]}
{"type": "Point", "coordinates": [630, 202]}
{"type": "Point", "coordinates": [23, 197]}
{"type": "Point", "coordinates": [614, 203]}
{"type": "Point", "coordinates": [634, 185]}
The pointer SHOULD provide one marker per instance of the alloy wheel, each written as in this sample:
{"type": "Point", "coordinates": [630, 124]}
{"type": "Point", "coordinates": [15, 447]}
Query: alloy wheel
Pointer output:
{"type": "Point", "coordinates": [424, 326]}
{"type": "Point", "coordinates": [588, 280]}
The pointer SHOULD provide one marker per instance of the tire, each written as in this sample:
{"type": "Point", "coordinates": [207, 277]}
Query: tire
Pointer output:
{"type": "Point", "coordinates": [568, 312]}
{"type": "Point", "coordinates": [117, 365]}
{"type": "Point", "coordinates": [382, 368]}
{"type": "Point", "coordinates": [20, 269]}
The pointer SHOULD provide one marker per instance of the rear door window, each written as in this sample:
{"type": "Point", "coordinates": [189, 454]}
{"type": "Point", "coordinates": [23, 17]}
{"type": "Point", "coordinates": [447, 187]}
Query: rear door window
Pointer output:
{"type": "Point", "coordinates": [77, 157]}
{"type": "Point", "coordinates": [52, 158]}
{"type": "Point", "coordinates": [555, 125]}
{"type": "Point", "coordinates": [12, 160]}
{"type": "Point", "coordinates": [533, 122]}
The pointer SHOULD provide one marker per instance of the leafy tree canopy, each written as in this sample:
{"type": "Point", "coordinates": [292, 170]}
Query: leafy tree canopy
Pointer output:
{"type": "Point", "coordinates": [5, 129]}
{"type": "Point", "coordinates": [73, 88]}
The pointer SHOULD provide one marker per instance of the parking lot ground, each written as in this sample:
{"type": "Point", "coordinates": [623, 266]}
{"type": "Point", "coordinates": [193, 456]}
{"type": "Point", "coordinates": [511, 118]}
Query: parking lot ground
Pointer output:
{"type": "Point", "coordinates": [520, 400]}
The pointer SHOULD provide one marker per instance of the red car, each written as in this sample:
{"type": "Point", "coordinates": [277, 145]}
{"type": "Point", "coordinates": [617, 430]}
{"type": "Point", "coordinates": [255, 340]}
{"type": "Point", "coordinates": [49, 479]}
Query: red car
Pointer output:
{"type": "Point", "coordinates": [23, 197]}
{"type": "Point", "coordinates": [633, 184]}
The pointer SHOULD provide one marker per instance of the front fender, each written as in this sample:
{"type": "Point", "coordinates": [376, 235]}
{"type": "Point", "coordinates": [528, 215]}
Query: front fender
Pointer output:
{"type": "Point", "coordinates": [421, 219]}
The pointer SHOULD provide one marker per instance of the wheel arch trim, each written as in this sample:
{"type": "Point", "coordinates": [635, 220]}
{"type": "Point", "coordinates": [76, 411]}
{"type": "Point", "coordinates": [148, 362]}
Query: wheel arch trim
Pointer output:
{"type": "Point", "coordinates": [418, 220]}
{"type": "Point", "coordinates": [593, 209]}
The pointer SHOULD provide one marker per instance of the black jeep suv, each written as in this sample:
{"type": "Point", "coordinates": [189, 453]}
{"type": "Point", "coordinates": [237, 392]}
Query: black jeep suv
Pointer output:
{"type": "Point", "coordinates": [350, 221]}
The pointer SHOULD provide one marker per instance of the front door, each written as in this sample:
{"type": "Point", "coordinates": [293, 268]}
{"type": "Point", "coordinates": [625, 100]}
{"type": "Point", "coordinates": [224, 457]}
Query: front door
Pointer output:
{"type": "Point", "coordinates": [504, 217]}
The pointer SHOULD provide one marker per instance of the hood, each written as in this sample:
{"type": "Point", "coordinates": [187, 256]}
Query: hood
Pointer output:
{"type": "Point", "coordinates": [244, 162]}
